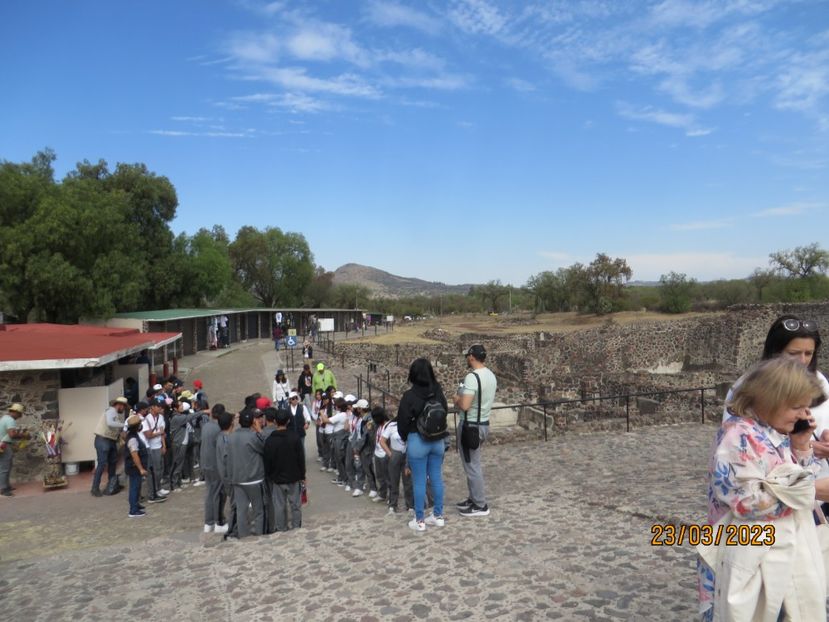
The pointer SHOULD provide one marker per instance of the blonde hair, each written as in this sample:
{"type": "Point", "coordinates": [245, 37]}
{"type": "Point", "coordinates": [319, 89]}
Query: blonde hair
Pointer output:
{"type": "Point", "coordinates": [772, 385]}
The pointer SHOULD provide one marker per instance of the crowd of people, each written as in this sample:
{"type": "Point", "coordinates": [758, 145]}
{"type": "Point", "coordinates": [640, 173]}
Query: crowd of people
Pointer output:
{"type": "Point", "coordinates": [253, 462]}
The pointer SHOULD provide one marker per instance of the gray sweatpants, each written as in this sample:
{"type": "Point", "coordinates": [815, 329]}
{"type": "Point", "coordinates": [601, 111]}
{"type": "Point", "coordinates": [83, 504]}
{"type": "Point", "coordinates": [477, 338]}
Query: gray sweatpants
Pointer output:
{"type": "Point", "coordinates": [397, 466]}
{"type": "Point", "coordinates": [353, 471]}
{"type": "Point", "coordinates": [214, 499]}
{"type": "Point", "coordinates": [6, 460]}
{"type": "Point", "coordinates": [339, 440]}
{"type": "Point", "coordinates": [287, 496]}
{"type": "Point", "coordinates": [156, 473]}
{"type": "Point", "coordinates": [250, 511]}
{"type": "Point", "coordinates": [179, 456]}
{"type": "Point", "coordinates": [473, 469]}
{"type": "Point", "coordinates": [381, 474]}
{"type": "Point", "coordinates": [367, 458]}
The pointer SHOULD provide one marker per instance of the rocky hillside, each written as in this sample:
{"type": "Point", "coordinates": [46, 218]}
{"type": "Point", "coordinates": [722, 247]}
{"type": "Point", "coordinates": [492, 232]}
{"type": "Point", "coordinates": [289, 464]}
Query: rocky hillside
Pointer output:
{"type": "Point", "coordinates": [386, 285]}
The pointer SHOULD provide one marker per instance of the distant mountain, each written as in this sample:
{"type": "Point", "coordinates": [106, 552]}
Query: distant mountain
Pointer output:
{"type": "Point", "coordinates": [385, 285]}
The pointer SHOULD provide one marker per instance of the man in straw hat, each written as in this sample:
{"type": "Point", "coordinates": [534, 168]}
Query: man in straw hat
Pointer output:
{"type": "Point", "coordinates": [106, 446]}
{"type": "Point", "coordinates": [9, 435]}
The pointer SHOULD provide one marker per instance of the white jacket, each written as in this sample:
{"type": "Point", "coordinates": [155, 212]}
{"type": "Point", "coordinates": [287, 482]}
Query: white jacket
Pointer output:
{"type": "Point", "coordinates": [752, 583]}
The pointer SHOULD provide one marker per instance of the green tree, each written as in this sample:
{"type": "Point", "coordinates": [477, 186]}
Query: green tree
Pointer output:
{"type": "Point", "coordinates": [802, 262]}
{"type": "Point", "coordinates": [603, 284]}
{"type": "Point", "coordinates": [273, 265]}
{"type": "Point", "coordinates": [350, 296]}
{"type": "Point", "coordinates": [318, 293]}
{"type": "Point", "coordinates": [490, 294]}
{"type": "Point", "coordinates": [676, 292]}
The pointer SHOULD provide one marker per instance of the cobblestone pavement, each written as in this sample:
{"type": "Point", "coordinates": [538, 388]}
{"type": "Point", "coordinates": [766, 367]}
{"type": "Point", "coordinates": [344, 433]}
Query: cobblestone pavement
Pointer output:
{"type": "Point", "coordinates": [568, 538]}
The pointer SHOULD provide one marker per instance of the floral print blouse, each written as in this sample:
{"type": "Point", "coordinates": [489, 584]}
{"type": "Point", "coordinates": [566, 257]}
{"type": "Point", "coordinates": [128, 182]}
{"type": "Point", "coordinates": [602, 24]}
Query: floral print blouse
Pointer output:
{"type": "Point", "coordinates": [745, 452]}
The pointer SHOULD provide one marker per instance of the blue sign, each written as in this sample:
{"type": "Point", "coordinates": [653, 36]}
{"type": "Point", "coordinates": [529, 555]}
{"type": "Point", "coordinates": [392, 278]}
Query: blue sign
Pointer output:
{"type": "Point", "coordinates": [291, 341]}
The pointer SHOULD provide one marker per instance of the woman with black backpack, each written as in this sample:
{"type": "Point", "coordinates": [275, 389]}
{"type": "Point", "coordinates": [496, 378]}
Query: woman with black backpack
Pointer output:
{"type": "Point", "coordinates": [421, 424]}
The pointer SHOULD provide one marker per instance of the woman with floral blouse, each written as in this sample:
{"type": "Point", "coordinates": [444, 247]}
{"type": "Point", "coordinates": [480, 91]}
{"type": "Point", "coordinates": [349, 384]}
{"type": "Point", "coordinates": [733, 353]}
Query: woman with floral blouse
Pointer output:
{"type": "Point", "coordinates": [756, 449]}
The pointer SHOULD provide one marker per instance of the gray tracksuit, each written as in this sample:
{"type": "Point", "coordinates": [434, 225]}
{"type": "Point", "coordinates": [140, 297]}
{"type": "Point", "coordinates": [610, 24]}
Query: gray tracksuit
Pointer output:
{"type": "Point", "coordinates": [246, 471]}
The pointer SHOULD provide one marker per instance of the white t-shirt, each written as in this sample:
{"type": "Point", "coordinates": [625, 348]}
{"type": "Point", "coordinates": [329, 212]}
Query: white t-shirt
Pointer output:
{"type": "Point", "coordinates": [338, 422]}
{"type": "Point", "coordinates": [280, 391]}
{"type": "Point", "coordinates": [395, 442]}
{"type": "Point", "coordinates": [140, 432]}
{"type": "Point", "coordinates": [149, 423]}
{"type": "Point", "coordinates": [378, 448]}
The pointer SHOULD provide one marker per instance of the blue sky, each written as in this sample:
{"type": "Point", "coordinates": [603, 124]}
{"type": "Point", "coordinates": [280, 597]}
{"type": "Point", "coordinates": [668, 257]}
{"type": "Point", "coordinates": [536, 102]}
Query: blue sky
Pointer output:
{"type": "Point", "coordinates": [457, 141]}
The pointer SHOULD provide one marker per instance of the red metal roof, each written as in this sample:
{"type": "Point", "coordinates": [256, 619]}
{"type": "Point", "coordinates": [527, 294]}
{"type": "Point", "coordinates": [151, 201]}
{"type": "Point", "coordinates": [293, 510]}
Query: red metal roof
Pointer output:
{"type": "Point", "coordinates": [49, 346]}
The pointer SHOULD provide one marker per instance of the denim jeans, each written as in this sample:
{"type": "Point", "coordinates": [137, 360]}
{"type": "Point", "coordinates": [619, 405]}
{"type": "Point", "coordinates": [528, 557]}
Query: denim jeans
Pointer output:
{"type": "Point", "coordinates": [107, 452]}
{"type": "Point", "coordinates": [135, 491]}
{"type": "Point", "coordinates": [426, 458]}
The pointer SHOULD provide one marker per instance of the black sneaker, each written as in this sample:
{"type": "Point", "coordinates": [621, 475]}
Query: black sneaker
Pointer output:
{"type": "Point", "coordinates": [464, 504]}
{"type": "Point", "coordinates": [139, 514]}
{"type": "Point", "coordinates": [7, 492]}
{"type": "Point", "coordinates": [96, 492]}
{"type": "Point", "coordinates": [474, 510]}
{"type": "Point", "coordinates": [158, 499]}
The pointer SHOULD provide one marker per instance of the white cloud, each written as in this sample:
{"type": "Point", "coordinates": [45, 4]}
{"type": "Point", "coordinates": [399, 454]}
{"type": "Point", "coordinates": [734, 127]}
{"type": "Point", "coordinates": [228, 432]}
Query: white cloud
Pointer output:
{"type": "Point", "coordinates": [655, 115]}
{"type": "Point", "coordinates": [788, 210]}
{"type": "Point", "coordinates": [326, 42]}
{"type": "Point", "coordinates": [520, 85]}
{"type": "Point", "coordinates": [699, 131]}
{"type": "Point", "coordinates": [701, 225]}
{"type": "Point", "coordinates": [210, 134]}
{"type": "Point", "coordinates": [192, 119]}
{"type": "Point", "coordinates": [477, 17]}
{"type": "Point", "coordinates": [556, 256]}
{"type": "Point", "coordinates": [297, 79]}
{"type": "Point", "coordinates": [699, 265]}
{"type": "Point", "coordinates": [391, 14]}
{"type": "Point", "coordinates": [254, 47]}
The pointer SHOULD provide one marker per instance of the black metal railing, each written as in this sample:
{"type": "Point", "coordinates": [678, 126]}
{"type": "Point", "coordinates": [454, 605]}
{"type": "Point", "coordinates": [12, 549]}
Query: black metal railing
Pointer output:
{"type": "Point", "coordinates": [364, 384]}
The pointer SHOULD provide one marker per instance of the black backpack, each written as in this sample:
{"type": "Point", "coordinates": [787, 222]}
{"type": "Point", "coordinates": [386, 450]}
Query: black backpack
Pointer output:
{"type": "Point", "coordinates": [431, 422]}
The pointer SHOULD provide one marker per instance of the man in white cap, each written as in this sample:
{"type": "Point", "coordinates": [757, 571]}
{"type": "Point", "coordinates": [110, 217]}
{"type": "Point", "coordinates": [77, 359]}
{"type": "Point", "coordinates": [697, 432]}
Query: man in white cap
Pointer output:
{"type": "Point", "coordinates": [106, 446]}
{"type": "Point", "coordinates": [9, 435]}
{"type": "Point", "coordinates": [357, 439]}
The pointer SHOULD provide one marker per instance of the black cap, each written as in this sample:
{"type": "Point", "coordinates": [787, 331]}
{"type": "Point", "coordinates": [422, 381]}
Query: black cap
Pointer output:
{"type": "Point", "coordinates": [141, 406]}
{"type": "Point", "coordinates": [477, 351]}
{"type": "Point", "coordinates": [245, 418]}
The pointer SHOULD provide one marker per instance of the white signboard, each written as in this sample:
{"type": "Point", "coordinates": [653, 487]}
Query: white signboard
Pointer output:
{"type": "Point", "coordinates": [326, 324]}
{"type": "Point", "coordinates": [390, 319]}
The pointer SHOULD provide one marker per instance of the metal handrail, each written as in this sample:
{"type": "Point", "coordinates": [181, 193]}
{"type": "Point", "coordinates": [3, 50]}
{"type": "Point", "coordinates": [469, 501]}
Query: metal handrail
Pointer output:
{"type": "Point", "coordinates": [544, 404]}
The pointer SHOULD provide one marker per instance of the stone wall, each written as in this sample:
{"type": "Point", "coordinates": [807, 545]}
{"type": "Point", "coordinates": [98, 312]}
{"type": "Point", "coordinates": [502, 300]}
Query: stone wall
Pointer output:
{"type": "Point", "coordinates": [38, 392]}
{"type": "Point", "coordinates": [711, 350]}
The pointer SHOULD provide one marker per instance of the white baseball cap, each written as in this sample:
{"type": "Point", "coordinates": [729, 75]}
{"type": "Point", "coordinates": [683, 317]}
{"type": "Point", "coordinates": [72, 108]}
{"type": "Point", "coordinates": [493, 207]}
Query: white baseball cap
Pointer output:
{"type": "Point", "coordinates": [185, 406]}
{"type": "Point", "coordinates": [157, 387]}
{"type": "Point", "coordinates": [337, 395]}
{"type": "Point", "coordinates": [350, 398]}
{"type": "Point", "coordinates": [361, 404]}
{"type": "Point", "coordinates": [293, 394]}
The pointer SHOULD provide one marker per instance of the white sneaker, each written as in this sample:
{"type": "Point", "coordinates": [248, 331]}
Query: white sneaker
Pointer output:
{"type": "Point", "coordinates": [435, 521]}
{"type": "Point", "coordinates": [372, 494]}
{"type": "Point", "coordinates": [220, 529]}
{"type": "Point", "coordinates": [164, 492]}
{"type": "Point", "coordinates": [357, 493]}
{"type": "Point", "coordinates": [391, 512]}
{"type": "Point", "coordinates": [348, 488]}
{"type": "Point", "coordinates": [418, 526]}
{"type": "Point", "coordinates": [185, 480]}
{"type": "Point", "coordinates": [323, 469]}
{"type": "Point", "coordinates": [199, 483]}
{"type": "Point", "coordinates": [208, 528]}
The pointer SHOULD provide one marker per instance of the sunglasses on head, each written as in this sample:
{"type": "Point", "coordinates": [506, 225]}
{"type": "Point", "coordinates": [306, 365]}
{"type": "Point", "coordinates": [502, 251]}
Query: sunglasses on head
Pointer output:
{"type": "Point", "coordinates": [795, 325]}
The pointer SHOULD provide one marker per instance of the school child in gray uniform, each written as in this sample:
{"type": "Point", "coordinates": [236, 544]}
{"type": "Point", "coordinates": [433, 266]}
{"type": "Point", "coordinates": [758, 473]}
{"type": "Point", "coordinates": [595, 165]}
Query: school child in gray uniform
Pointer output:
{"type": "Point", "coordinates": [214, 497]}
{"type": "Point", "coordinates": [267, 419]}
{"type": "Point", "coordinates": [247, 473]}
{"type": "Point", "coordinates": [225, 421]}
{"type": "Point", "coordinates": [381, 458]}
{"type": "Point", "coordinates": [396, 450]}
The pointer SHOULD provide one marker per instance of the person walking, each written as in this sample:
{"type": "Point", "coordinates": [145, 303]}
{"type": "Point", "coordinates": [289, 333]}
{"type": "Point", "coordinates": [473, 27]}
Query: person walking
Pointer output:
{"type": "Point", "coordinates": [474, 399]}
{"type": "Point", "coordinates": [304, 385]}
{"type": "Point", "coordinates": [10, 434]}
{"type": "Point", "coordinates": [109, 427]}
{"type": "Point", "coordinates": [323, 379]}
{"type": "Point", "coordinates": [421, 424]}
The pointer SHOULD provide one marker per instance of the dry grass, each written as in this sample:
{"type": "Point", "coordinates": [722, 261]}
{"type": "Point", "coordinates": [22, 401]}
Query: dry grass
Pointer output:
{"type": "Point", "coordinates": [412, 332]}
